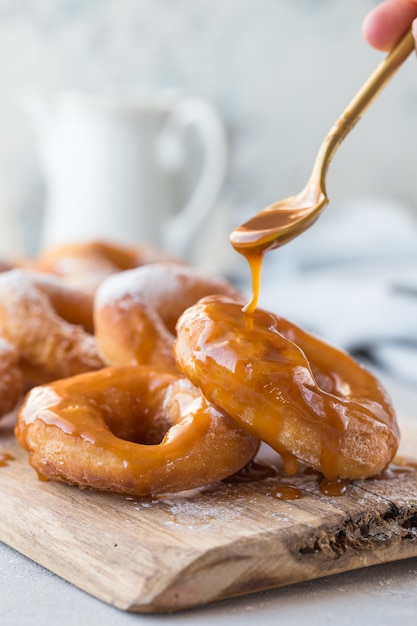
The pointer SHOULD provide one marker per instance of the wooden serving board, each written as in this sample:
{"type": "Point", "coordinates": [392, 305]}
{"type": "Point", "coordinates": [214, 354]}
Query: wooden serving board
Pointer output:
{"type": "Point", "coordinates": [183, 551]}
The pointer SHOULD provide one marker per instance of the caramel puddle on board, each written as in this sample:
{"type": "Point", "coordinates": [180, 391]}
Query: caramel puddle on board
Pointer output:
{"type": "Point", "coordinates": [5, 459]}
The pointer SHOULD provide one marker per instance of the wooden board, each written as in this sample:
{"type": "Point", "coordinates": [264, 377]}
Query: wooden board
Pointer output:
{"type": "Point", "coordinates": [183, 551]}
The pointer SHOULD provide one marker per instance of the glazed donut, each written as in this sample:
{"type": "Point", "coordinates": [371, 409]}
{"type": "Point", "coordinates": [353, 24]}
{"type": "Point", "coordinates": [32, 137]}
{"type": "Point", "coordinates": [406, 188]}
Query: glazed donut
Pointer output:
{"type": "Point", "coordinates": [306, 399]}
{"type": "Point", "coordinates": [135, 431]}
{"type": "Point", "coordinates": [135, 312]}
{"type": "Point", "coordinates": [47, 323]}
{"type": "Point", "coordinates": [11, 378]}
{"type": "Point", "coordinates": [85, 265]}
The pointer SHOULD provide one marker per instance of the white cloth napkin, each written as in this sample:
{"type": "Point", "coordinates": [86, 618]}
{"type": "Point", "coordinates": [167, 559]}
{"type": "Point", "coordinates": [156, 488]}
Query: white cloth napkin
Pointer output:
{"type": "Point", "coordinates": [352, 279]}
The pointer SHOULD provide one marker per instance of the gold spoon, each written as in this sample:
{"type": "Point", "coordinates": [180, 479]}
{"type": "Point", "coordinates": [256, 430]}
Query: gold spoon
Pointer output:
{"type": "Point", "coordinates": [284, 220]}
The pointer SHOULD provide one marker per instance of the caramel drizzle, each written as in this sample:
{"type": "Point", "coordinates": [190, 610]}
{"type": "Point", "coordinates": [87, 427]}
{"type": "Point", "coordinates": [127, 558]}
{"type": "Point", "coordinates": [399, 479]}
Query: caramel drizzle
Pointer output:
{"type": "Point", "coordinates": [252, 472]}
{"type": "Point", "coordinates": [5, 459]}
{"type": "Point", "coordinates": [254, 250]}
{"type": "Point", "coordinates": [255, 261]}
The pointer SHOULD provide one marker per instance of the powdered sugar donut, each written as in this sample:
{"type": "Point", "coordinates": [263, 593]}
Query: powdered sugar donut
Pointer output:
{"type": "Point", "coordinates": [47, 323]}
{"type": "Point", "coordinates": [85, 265]}
{"type": "Point", "coordinates": [11, 378]}
{"type": "Point", "coordinates": [135, 312]}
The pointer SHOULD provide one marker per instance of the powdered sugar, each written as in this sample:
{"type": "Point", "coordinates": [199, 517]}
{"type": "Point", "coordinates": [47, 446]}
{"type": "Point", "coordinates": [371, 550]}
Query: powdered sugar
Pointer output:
{"type": "Point", "coordinates": [159, 283]}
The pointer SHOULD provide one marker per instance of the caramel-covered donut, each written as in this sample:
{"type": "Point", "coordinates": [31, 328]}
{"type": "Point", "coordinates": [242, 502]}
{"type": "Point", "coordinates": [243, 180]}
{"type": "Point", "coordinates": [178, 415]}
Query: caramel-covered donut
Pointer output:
{"type": "Point", "coordinates": [85, 265]}
{"type": "Point", "coordinates": [133, 430]}
{"type": "Point", "coordinates": [11, 378]}
{"type": "Point", "coordinates": [135, 312]}
{"type": "Point", "coordinates": [306, 399]}
{"type": "Point", "coordinates": [47, 323]}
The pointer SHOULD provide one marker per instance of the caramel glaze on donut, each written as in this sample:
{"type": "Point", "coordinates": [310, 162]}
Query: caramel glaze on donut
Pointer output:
{"type": "Point", "coordinates": [135, 431]}
{"type": "Point", "coordinates": [306, 399]}
{"type": "Point", "coordinates": [135, 312]}
{"type": "Point", "coordinates": [49, 324]}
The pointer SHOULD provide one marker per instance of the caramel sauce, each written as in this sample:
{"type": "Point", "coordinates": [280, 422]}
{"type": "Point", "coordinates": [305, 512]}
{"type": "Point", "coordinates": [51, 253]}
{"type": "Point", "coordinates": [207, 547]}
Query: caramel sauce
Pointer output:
{"type": "Point", "coordinates": [5, 459]}
{"type": "Point", "coordinates": [310, 471]}
{"type": "Point", "coordinates": [273, 227]}
{"type": "Point", "coordinates": [110, 409]}
{"type": "Point", "coordinates": [286, 379]}
{"type": "Point", "coordinates": [136, 431]}
{"type": "Point", "coordinates": [328, 488]}
{"type": "Point", "coordinates": [279, 223]}
{"type": "Point", "coordinates": [290, 383]}
{"type": "Point", "coordinates": [333, 487]}
{"type": "Point", "coordinates": [252, 472]}
{"type": "Point", "coordinates": [255, 261]}
{"type": "Point", "coordinates": [286, 492]}
{"type": "Point", "coordinates": [284, 386]}
{"type": "Point", "coordinates": [255, 234]}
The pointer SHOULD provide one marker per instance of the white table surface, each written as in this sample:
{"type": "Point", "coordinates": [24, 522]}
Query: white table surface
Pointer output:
{"type": "Point", "coordinates": [384, 594]}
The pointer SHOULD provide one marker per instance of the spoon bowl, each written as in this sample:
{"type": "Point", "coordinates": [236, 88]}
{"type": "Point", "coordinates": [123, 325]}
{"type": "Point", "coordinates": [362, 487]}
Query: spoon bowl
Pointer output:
{"type": "Point", "coordinates": [282, 221]}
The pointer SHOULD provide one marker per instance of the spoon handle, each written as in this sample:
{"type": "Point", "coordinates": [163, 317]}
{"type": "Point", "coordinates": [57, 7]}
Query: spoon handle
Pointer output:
{"type": "Point", "coordinates": [358, 105]}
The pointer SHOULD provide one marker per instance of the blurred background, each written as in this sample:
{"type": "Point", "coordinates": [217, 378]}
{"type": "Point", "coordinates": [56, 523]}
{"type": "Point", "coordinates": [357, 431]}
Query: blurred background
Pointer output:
{"type": "Point", "coordinates": [279, 73]}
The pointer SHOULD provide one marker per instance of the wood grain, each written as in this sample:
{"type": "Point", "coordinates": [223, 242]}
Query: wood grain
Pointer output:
{"type": "Point", "coordinates": [182, 551]}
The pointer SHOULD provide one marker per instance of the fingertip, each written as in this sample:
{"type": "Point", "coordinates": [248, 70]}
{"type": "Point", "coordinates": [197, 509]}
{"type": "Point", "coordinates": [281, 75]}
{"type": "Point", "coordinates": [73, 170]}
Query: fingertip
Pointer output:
{"type": "Point", "coordinates": [368, 28]}
{"type": "Point", "coordinates": [376, 30]}
{"type": "Point", "coordinates": [386, 23]}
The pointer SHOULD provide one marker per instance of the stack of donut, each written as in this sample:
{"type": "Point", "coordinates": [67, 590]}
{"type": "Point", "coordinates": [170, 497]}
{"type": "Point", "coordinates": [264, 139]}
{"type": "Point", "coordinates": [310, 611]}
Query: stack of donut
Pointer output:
{"type": "Point", "coordinates": [150, 378]}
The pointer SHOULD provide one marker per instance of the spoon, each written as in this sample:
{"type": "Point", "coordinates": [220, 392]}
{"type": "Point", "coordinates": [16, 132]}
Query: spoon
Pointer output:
{"type": "Point", "coordinates": [281, 222]}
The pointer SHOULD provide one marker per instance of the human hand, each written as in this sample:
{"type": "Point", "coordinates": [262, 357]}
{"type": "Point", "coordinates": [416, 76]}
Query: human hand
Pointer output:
{"type": "Point", "coordinates": [385, 24]}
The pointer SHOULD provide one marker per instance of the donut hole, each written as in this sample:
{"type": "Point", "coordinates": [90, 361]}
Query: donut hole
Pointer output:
{"type": "Point", "coordinates": [138, 418]}
{"type": "Point", "coordinates": [140, 426]}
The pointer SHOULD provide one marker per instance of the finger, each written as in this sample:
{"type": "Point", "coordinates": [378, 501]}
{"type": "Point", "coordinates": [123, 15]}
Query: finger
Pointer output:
{"type": "Point", "coordinates": [385, 24]}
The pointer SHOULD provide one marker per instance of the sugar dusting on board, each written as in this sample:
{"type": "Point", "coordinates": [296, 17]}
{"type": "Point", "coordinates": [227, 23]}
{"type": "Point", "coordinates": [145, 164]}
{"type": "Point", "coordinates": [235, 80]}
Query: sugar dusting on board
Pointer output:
{"type": "Point", "coordinates": [222, 504]}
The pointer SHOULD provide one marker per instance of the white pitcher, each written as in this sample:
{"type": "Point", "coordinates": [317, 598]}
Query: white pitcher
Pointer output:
{"type": "Point", "coordinates": [114, 166]}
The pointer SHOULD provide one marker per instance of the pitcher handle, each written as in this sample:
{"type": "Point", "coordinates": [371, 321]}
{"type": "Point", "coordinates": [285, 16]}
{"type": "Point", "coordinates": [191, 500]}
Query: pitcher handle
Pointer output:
{"type": "Point", "coordinates": [182, 228]}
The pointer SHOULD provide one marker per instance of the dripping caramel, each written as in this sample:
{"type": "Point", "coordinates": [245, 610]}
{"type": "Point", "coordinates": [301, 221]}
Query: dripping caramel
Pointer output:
{"type": "Point", "coordinates": [306, 399]}
{"type": "Point", "coordinates": [337, 382]}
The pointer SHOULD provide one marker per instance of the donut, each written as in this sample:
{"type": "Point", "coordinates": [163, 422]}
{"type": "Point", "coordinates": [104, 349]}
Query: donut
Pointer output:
{"type": "Point", "coordinates": [135, 311]}
{"type": "Point", "coordinates": [308, 400]}
{"type": "Point", "coordinates": [49, 324]}
{"type": "Point", "coordinates": [85, 265]}
{"type": "Point", "coordinates": [135, 431]}
{"type": "Point", "coordinates": [11, 378]}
